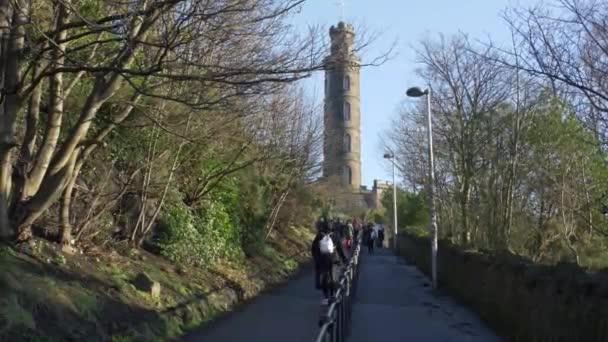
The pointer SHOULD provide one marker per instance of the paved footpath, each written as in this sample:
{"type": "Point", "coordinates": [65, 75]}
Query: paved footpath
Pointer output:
{"type": "Point", "coordinates": [393, 303]}
{"type": "Point", "coordinates": [287, 314]}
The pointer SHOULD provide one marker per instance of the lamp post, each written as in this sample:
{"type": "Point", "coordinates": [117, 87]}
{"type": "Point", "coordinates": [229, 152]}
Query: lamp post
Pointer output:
{"type": "Point", "coordinates": [391, 156]}
{"type": "Point", "coordinates": [417, 92]}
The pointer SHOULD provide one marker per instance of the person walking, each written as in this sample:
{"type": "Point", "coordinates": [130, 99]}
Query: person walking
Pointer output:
{"type": "Point", "coordinates": [369, 236]}
{"type": "Point", "coordinates": [327, 254]}
{"type": "Point", "coordinates": [348, 235]}
{"type": "Point", "coordinates": [357, 228]}
{"type": "Point", "coordinates": [321, 225]}
{"type": "Point", "coordinates": [376, 229]}
{"type": "Point", "coordinates": [380, 236]}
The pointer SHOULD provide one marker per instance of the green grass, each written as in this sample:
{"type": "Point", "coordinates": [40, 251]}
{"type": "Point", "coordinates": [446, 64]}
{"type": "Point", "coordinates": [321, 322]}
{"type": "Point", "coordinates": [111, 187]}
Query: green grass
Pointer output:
{"type": "Point", "coordinates": [38, 305]}
{"type": "Point", "coordinates": [14, 314]}
{"type": "Point", "coordinates": [118, 275]}
{"type": "Point", "coordinates": [86, 303]}
{"type": "Point", "coordinates": [59, 259]}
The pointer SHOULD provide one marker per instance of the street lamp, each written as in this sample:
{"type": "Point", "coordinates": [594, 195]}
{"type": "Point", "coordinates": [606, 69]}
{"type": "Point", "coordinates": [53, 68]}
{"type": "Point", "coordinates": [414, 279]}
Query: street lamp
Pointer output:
{"type": "Point", "coordinates": [417, 92]}
{"type": "Point", "coordinates": [391, 156]}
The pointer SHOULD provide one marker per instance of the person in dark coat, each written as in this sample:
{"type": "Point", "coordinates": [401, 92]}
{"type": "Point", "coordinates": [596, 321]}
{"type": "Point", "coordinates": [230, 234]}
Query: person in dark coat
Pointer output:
{"type": "Point", "coordinates": [380, 236]}
{"type": "Point", "coordinates": [369, 237]}
{"type": "Point", "coordinates": [357, 228]}
{"type": "Point", "coordinates": [327, 265]}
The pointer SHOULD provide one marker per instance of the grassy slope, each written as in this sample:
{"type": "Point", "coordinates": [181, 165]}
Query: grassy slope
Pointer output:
{"type": "Point", "coordinates": [46, 295]}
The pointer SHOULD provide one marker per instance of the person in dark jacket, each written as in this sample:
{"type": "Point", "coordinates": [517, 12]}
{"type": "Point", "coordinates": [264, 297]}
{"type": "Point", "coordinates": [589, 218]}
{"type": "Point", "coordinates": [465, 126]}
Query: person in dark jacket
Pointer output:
{"type": "Point", "coordinates": [357, 225]}
{"type": "Point", "coordinates": [327, 265]}
{"type": "Point", "coordinates": [369, 238]}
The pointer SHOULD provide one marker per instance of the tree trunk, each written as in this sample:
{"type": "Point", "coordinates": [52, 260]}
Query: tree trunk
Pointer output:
{"type": "Point", "coordinates": [516, 127]}
{"type": "Point", "coordinates": [48, 194]}
{"type": "Point", "coordinates": [66, 226]}
{"type": "Point", "coordinates": [141, 219]}
{"type": "Point", "coordinates": [13, 39]}
{"type": "Point", "coordinates": [104, 88]}
{"type": "Point", "coordinates": [587, 201]}
{"type": "Point", "coordinates": [55, 115]}
{"type": "Point", "coordinates": [275, 213]}
{"type": "Point", "coordinates": [26, 154]}
{"type": "Point", "coordinates": [166, 189]}
{"type": "Point", "coordinates": [464, 211]}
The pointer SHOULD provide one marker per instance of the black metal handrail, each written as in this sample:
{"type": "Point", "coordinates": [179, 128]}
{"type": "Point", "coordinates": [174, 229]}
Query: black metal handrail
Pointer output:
{"type": "Point", "coordinates": [335, 322]}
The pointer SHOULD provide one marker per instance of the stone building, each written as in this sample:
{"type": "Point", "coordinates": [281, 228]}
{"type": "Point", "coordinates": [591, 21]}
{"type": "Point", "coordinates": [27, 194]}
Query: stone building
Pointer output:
{"type": "Point", "coordinates": [342, 126]}
{"type": "Point", "coordinates": [375, 195]}
{"type": "Point", "coordinates": [342, 114]}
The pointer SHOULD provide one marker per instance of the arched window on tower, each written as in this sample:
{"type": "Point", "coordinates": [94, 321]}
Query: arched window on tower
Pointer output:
{"type": "Point", "coordinates": [348, 175]}
{"type": "Point", "coordinates": [346, 111]}
{"type": "Point", "coordinates": [347, 144]}
{"type": "Point", "coordinates": [346, 82]}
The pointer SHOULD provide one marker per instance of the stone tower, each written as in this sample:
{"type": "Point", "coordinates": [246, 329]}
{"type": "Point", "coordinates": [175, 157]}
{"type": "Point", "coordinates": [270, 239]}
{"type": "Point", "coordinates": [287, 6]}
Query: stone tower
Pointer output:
{"type": "Point", "coordinates": [342, 115]}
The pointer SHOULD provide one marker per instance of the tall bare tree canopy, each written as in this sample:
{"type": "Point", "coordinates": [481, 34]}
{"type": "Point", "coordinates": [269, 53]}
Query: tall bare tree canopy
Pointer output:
{"type": "Point", "coordinates": [520, 129]}
{"type": "Point", "coordinates": [72, 73]}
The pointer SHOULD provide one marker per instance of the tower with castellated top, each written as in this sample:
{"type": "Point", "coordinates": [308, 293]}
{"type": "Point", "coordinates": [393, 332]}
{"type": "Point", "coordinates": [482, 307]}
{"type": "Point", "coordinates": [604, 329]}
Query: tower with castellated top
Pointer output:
{"type": "Point", "coordinates": [342, 126]}
{"type": "Point", "coordinates": [342, 114]}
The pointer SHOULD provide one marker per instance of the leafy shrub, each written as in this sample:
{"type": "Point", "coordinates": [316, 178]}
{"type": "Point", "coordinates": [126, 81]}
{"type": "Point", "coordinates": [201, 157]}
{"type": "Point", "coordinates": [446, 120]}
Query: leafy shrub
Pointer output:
{"type": "Point", "coordinates": [251, 211]}
{"type": "Point", "coordinates": [198, 236]}
{"type": "Point", "coordinates": [412, 211]}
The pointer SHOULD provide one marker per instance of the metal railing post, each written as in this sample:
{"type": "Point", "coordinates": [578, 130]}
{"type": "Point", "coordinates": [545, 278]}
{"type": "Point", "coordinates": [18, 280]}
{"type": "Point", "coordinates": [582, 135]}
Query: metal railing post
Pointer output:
{"type": "Point", "coordinates": [334, 328]}
{"type": "Point", "coordinates": [347, 304]}
{"type": "Point", "coordinates": [341, 335]}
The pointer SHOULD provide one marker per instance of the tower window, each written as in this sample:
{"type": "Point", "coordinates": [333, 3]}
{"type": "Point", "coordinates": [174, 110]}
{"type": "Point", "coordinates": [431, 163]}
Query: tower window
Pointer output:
{"type": "Point", "coordinates": [348, 175]}
{"type": "Point", "coordinates": [346, 110]}
{"type": "Point", "coordinates": [347, 143]}
{"type": "Point", "coordinates": [346, 83]}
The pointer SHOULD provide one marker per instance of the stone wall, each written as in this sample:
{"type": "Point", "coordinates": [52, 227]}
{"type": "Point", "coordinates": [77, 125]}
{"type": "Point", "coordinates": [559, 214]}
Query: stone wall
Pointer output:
{"type": "Point", "coordinates": [519, 299]}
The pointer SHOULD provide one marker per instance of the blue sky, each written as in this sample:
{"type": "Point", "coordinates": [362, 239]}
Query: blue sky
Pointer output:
{"type": "Point", "coordinates": [407, 21]}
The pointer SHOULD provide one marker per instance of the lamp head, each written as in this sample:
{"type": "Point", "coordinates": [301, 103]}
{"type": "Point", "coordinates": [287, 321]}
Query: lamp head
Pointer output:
{"type": "Point", "coordinates": [416, 92]}
{"type": "Point", "coordinates": [388, 156]}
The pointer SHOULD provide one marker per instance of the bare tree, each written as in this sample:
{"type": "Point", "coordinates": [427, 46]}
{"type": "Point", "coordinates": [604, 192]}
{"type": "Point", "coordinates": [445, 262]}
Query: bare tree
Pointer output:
{"type": "Point", "coordinates": [199, 54]}
{"type": "Point", "coordinates": [567, 46]}
{"type": "Point", "coordinates": [468, 90]}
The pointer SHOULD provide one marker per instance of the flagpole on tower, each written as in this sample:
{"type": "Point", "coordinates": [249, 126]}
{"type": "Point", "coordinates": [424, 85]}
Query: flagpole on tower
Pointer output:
{"type": "Point", "coordinates": [341, 6]}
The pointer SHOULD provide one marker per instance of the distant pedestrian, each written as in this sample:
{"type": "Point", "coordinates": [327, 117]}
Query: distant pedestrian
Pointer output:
{"type": "Point", "coordinates": [348, 234]}
{"type": "Point", "coordinates": [369, 236]}
{"type": "Point", "coordinates": [357, 228]}
{"type": "Point", "coordinates": [380, 236]}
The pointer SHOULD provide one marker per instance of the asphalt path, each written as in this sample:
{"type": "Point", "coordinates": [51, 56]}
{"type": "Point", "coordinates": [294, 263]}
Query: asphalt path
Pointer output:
{"type": "Point", "coordinates": [394, 302]}
{"type": "Point", "coordinates": [287, 314]}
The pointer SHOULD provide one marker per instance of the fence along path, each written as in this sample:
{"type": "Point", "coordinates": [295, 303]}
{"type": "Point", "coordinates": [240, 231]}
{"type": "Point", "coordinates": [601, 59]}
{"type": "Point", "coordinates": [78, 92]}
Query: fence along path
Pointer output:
{"type": "Point", "coordinates": [392, 302]}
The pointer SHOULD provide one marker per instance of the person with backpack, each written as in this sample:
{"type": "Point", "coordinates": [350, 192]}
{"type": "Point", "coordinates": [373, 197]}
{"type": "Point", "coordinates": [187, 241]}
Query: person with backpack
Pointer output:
{"type": "Point", "coordinates": [327, 253]}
